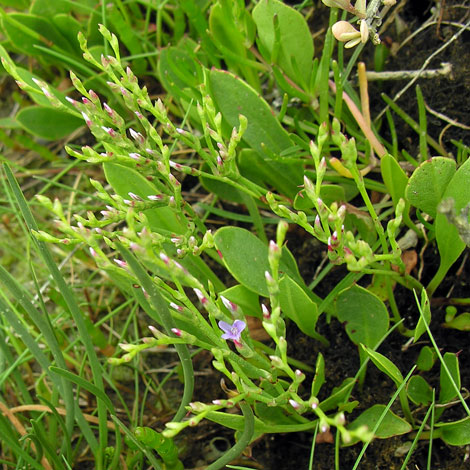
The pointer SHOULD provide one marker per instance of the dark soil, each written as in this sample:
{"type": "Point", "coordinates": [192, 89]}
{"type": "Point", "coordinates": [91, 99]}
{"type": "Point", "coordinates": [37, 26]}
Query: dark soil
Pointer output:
{"type": "Point", "coordinates": [447, 95]}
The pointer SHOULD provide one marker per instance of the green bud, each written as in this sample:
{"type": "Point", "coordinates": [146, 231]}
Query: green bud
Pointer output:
{"type": "Point", "coordinates": [243, 125]}
{"type": "Point", "coordinates": [310, 188]}
{"type": "Point", "coordinates": [45, 201]}
{"type": "Point", "coordinates": [400, 207]}
{"type": "Point", "coordinates": [322, 135]}
{"type": "Point", "coordinates": [78, 84]}
{"type": "Point", "coordinates": [282, 345]}
{"type": "Point", "coordinates": [45, 237]}
{"type": "Point", "coordinates": [197, 407]}
{"type": "Point", "coordinates": [349, 152]}
{"type": "Point", "coordinates": [315, 152]}
{"type": "Point", "coordinates": [281, 231]}
{"type": "Point", "coordinates": [336, 135]}
{"type": "Point", "coordinates": [276, 362]}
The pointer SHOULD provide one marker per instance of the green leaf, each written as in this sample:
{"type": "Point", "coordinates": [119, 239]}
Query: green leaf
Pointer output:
{"type": "Point", "coordinates": [365, 315]}
{"type": "Point", "coordinates": [449, 243]}
{"type": "Point", "coordinates": [295, 48]}
{"type": "Point", "coordinates": [426, 316]}
{"type": "Point", "coordinates": [319, 378]}
{"type": "Point", "coordinates": [456, 433]}
{"type": "Point", "coordinates": [234, 97]}
{"type": "Point", "coordinates": [338, 395]}
{"type": "Point", "coordinates": [385, 365]}
{"type": "Point", "coordinates": [264, 133]}
{"type": "Point", "coordinates": [298, 306]}
{"type": "Point", "coordinates": [18, 4]}
{"type": "Point", "coordinates": [419, 391]}
{"type": "Point", "coordinates": [273, 415]}
{"type": "Point", "coordinates": [69, 27]}
{"type": "Point", "coordinates": [25, 31]}
{"type": "Point", "coordinates": [161, 219]}
{"type": "Point", "coordinates": [263, 171]}
{"type": "Point", "coordinates": [426, 359]}
{"type": "Point", "coordinates": [460, 322]}
{"type": "Point", "coordinates": [48, 8]}
{"type": "Point", "coordinates": [227, 23]}
{"type": "Point", "coordinates": [390, 424]}
{"type": "Point", "coordinates": [394, 177]}
{"type": "Point", "coordinates": [237, 422]}
{"type": "Point", "coordinates": [246, 258]}
{"type": "Point", "coordinates": [48, 123]}
{"type": "Point", "coordinates": [428, 183]}
{"type": "Point", "coordinates": [127, 35]}
{"type": "Point", "coordinates": [447, 390]}
{"type": "Point", "coordinates": [180, 73]}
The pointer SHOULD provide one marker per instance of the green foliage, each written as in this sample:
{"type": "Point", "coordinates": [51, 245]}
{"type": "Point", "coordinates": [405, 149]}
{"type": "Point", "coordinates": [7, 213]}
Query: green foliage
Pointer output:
{"type": "Point", "coordinates": [285, 37]}
{"type": "Point", "coordinates": [364, 314]}
{"type": "Point", "coordinates": [264, 133]}
{"type": "Point", "coordinates": [449, 243]}
{"type": "Point", "coordinates": [425, 318]}
{"type": "Point", "coordinates": [426, 359]}
{"type": "Point", "coordinates": [125, 180]}
{"type": "Point", "coordinates": [389, 424]}
{"type": "Point", "coordinates": [246, 258]}
{"type": "Point", "coordinates": [237, 114]}
{"type": "Point", "coordinates": [429, 182]}
{"type": "Point", "coordinates": [47, 123]}
{"type": "Point", "coordinates": [449, 383]}
{"type": "Point", "coordinates": [298, 306]}
{"type": "Point", "coordinates": [419, 391]}
{"type": "Point", "coordinates": [456, 433]}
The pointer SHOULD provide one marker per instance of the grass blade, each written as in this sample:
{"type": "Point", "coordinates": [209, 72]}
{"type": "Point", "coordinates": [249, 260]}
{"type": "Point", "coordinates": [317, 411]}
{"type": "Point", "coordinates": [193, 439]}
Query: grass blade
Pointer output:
{"type": "Point", "coordinates": [74, 310]}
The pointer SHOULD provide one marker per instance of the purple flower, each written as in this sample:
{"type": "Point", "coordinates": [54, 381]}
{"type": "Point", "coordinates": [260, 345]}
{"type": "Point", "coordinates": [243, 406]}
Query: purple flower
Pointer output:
{"type": "Point", "coordinates": [234, 331]}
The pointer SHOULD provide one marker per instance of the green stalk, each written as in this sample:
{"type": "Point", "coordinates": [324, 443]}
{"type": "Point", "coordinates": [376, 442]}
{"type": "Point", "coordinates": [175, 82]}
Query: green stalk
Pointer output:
{"type": "Point", "coordinates": [255, 217]}
{"type": "Point", "coordinates": [393, 133]}
{"type": "Point", "coordinates": [418, 434]}
{"type": "Point", "coordinates": [370, 207]}
{"type": "Point", "coordinates": [439, 355]}
{"type": "Point", "coordinates": [423, 148]}
{"type": "Point", "coordinates": [324, 69]}
{"type": "Point", "coordinates": [400, 389]}
{"type": "Point", "coordinates": [243, 441]}
{"type": "Point", "coordinates": [160, 306]}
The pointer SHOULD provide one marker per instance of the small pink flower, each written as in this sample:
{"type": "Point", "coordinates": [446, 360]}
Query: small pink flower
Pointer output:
{"type": "Point", "coordinates": [120, 263]}
{"type": "Point", "coordinates": [228, 304]}
{"type": "Point", "coordinates": [266, 313]}
{"type": "Point", "coordinates": [200, 296]}
{"type": "Point", "coordinates": [87, 119]}
{"type": "Point", "coordinates": [294, 404]}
